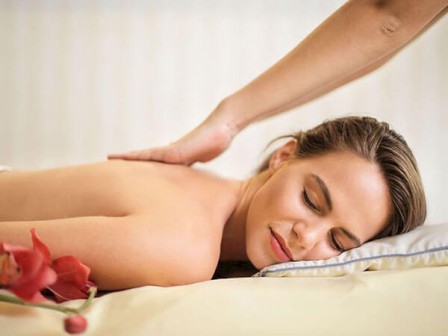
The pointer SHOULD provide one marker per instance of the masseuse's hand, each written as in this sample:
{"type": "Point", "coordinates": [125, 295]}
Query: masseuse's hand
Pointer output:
{"type": "Point", "coordinates": [204, 143]}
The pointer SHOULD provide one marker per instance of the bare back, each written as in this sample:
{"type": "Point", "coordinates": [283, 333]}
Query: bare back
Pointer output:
{"type": "Point", "coordinates": [161, 215]}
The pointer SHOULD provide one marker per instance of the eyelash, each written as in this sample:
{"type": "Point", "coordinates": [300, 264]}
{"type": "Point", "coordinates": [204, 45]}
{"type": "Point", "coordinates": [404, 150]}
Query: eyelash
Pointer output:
{"type": "Point", "coordinates": [335, 244]}
{"type": "Point", "coordinates": [309, 204]}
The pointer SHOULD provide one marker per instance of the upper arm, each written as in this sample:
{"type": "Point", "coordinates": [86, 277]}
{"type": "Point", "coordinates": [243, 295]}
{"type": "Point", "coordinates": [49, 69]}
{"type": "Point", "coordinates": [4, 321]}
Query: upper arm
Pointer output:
{"type": "Point", "coordinates": [122, 252]}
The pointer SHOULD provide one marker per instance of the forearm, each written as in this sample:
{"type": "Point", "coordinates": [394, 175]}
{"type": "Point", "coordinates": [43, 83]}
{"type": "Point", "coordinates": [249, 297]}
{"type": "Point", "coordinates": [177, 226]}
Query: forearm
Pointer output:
{"type": "Point", "coordinates": [118, 251]}
{"type": "Point", "coordinates": [122, 252]}
{"type": "Point", "coordinates": [93, 240]}
{"type": "Point", "coordinates": [355, 40]}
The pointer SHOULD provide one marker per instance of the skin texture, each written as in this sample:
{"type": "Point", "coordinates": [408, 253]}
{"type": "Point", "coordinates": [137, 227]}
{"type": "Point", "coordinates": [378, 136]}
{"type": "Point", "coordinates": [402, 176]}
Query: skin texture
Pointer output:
{"type": "Point", "coordinates": [132, 223]}
{"type": "Point", "coordinates": [357, 39]}
{"type": "Point", "coordinates": [136, 223]}
{"type": "Point", "coordinates": [292, 203]}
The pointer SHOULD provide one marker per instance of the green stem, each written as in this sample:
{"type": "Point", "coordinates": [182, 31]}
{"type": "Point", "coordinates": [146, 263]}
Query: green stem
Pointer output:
{"type": "Point", "coordinates": [66, 310]}
{"type": "Point", "coordinates": [92, 293]}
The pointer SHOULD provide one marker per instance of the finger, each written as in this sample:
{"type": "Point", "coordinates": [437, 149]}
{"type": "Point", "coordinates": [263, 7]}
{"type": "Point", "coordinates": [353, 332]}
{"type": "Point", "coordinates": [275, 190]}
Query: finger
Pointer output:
{"type": "Point", "coordinates": [119, 156]}
{"type": "Point", "coordinates": [115, 156]}
{"type": "Point", "coordinates": [135, 155]}
{"type": "Point", "coordinates": [161, 154]}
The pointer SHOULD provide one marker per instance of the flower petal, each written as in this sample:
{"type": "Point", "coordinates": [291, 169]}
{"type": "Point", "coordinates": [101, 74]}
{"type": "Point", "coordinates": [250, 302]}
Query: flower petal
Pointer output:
{"type": "Point", "coordinates": [65, 291]}
{"type": "Point", "coordinates": [70, 269]}
{"type": "Point", "coordinates": [38, 245]}
{"type": "Point", "coordinates": [36, 273]}
{"type": "Point", "coordinates": [73, 279]}
{"type": "Point", "coordinates": [10, 272]}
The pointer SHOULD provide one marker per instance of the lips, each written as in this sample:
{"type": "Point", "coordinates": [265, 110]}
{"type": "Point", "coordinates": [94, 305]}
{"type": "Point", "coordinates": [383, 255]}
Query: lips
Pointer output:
{"type": "Point", "coordinates": [279, 247]}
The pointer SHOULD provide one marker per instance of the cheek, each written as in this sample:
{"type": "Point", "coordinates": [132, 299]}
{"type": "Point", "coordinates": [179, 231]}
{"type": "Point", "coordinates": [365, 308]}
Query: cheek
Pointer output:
{"type": "Point", "coordinates": [268, 208]}
{"type": "Point", "coordinates": [275, 199]}
{"type": "Point", "coordinates": [321, 252]}
{"type": "Point", "coordinates": [264, 208]}
{"type": "Point", "coordinates": [257, 212]}
{"type": "Point", "coordinates": [261, 214]}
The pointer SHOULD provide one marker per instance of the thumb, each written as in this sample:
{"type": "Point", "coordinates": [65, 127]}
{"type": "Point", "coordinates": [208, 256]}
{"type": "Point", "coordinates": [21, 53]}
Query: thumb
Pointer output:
{"type": "Point", "coordinates": [168, 154]}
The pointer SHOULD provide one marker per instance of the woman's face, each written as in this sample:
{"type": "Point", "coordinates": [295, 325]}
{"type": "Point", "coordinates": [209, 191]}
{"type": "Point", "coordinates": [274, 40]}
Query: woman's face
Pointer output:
{"type": "Point", "coordinates": [315, 208]}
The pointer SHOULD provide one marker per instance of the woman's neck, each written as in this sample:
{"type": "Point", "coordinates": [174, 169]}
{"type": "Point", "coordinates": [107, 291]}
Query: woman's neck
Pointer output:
{"type": "Point", "coordinates": [233, 244]}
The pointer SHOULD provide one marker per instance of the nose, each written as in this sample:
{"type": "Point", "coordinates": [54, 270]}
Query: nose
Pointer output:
{"type": "Point", "coordinates": [308, 234]}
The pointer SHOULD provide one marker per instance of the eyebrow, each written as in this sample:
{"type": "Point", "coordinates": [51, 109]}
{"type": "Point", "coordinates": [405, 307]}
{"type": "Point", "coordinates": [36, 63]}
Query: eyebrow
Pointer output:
{"type": "Point", "coordinates": [324, 190]}
{"type": "Point", "coordinates": [327, 197]}
{"type": "Point", "coordinates": [351, 236]}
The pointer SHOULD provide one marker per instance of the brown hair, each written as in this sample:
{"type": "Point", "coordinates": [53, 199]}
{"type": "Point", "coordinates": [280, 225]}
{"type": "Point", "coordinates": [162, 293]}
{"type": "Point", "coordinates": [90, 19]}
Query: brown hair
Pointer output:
{"type": "Point", "coordinates": [376, 142]}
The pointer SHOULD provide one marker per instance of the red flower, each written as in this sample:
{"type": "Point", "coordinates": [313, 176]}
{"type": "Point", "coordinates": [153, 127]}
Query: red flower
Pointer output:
{"type": "Point", "coordinates": [75, 324]}
{"type": "Point", "coordinates": [24, 272]}
{"type": "Point", "coordinates": [72, 275]}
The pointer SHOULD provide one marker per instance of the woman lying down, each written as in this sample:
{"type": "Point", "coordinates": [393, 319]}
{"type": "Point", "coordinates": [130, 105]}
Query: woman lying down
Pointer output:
{"type": "Point", "coordinates": [327, 190]}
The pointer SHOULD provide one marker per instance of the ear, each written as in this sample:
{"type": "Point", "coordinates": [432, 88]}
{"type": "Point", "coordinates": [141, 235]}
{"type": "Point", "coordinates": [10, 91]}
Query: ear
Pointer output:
{"type": "Point", "coordinates": [281, 155]}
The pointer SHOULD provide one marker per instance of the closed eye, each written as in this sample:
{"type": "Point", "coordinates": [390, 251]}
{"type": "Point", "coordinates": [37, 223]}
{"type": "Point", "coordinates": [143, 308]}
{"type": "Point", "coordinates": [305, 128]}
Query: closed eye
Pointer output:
{"type": "Point", "coordinates": [334, 243]}
{"type": "Point", "coordinates": [308, 202]}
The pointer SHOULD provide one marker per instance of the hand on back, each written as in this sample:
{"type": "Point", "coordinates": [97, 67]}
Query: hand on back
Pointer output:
{"type": "Point", "coordinates": [202, 144]}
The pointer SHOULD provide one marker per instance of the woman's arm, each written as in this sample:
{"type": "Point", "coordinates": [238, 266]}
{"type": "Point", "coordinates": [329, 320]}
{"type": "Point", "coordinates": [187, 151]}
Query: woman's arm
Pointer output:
{"type": "Point", "coordinates": [122, 252]}
{"type": "Point", "coordinates": [357, 39]}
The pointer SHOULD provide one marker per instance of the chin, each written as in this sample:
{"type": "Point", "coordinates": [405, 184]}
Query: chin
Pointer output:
{"type": "Point", "coordinates": [257, 259]}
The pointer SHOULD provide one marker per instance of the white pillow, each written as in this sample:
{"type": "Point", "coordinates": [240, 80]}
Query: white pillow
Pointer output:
{"type": "Point", "coordinates": [424, 246]}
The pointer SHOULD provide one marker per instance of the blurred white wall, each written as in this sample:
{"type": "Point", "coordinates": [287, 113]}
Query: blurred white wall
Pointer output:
{"type": "Point", "coordinates": [83, 78]}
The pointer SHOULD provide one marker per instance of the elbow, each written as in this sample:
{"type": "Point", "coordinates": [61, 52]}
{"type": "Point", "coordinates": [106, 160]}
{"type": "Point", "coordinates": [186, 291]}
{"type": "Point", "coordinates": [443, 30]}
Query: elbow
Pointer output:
{"type": "Point", "coordinates": [390, 26]}
{"type": "Point", "coordinates": [387, 19]}
{"type": "Point", "coordinates": [191, 275]}
{"type": "Point", "coordinates": [177, 275]}
{"type": "Point", "coordinates": [183, 281]}
{"type": "Point", "coordinates": [392, 23]}
{"type": "Point", "coordinates": [384, 29]}
{"type": "Point", "coordinates": [180, 279]}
